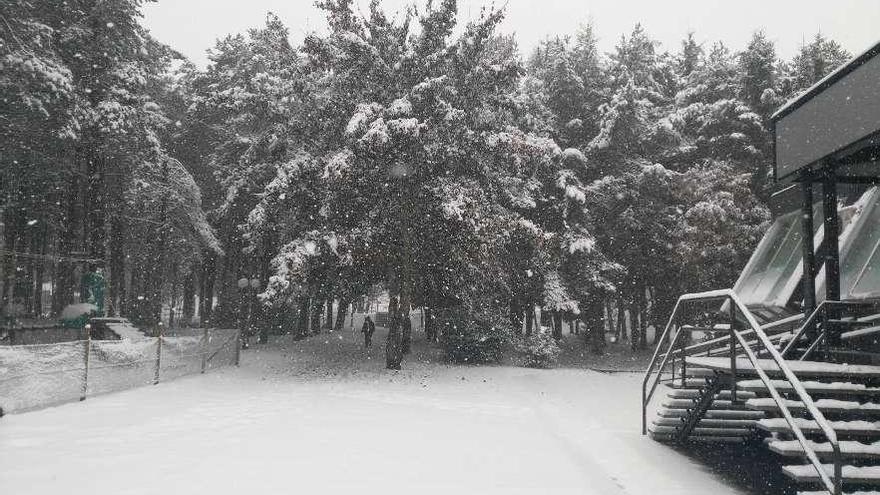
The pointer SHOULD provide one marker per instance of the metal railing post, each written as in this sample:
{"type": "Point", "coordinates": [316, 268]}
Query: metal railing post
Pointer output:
{"type": "Point", "coordinates": [684, 361]}
{"type": "Point", "coordinates": [838, 469]}
{"type": "Point", "coordinates": [674, 357]}
{"type": "Point", "coordinates": [732, 350]}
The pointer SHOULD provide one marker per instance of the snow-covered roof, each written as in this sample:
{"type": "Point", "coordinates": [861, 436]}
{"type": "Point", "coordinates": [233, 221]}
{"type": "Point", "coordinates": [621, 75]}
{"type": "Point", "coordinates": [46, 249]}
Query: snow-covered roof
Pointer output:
{"type": "Point", "coordinates": [826, 81]}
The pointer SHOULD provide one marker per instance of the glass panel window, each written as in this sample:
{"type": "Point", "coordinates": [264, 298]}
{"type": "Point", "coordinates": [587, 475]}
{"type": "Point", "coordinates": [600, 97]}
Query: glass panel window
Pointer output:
{"type": "Point", "coordinates": [868, 284]}
{"type": "Point", "coordinates": [859, 268]}
{"type": "Point", "coordinates": [774, 263]}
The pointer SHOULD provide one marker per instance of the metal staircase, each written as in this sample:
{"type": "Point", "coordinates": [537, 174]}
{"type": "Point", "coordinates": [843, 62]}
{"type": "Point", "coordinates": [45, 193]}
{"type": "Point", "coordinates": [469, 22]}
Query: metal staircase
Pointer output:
{"type": "Point", "coordinates": [797, 389]}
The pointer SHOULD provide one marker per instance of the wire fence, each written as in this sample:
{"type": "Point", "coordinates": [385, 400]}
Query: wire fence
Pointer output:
{"type": "Point", "coordinates": [36, 376]}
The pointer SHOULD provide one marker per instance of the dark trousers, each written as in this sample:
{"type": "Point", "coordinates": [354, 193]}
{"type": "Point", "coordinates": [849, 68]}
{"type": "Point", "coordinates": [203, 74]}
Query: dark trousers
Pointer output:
{"type": "Point", "coordinates": [368, 339]}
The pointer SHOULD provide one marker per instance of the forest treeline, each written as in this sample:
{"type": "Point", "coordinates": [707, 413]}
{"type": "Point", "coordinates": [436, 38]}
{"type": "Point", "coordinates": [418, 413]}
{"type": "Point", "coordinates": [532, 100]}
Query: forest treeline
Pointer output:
{"type": "Point", "coordinates": [402, 149]}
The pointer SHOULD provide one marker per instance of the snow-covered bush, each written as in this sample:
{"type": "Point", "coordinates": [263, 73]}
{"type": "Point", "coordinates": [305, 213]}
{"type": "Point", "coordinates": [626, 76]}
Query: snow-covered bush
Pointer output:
{"type": "Point", "coordinates": [539, 349]}
{"type": "Point", "coordinates": [470, 338]}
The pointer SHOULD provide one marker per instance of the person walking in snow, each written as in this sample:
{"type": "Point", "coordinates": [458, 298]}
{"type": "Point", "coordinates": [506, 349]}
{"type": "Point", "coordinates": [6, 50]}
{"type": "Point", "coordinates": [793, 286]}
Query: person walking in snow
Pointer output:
{"type": "Point", "coordinates": [368, 329]}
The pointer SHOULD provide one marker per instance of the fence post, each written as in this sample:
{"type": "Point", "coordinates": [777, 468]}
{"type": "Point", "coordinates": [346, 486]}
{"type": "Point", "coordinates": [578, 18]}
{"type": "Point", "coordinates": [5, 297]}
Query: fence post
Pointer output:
{"type": "Point", "coordinates": [204, 348]}
{"type": "Point", "coordinates": [88, 351]}
{"type": "Point", "coordinates": [158, 354]}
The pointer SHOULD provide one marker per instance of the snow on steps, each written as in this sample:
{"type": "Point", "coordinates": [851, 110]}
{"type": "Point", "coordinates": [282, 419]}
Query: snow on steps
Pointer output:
{"type": "Point", "coordinates": [818, 388]}
{"type": "Point", "coordinates": [806, 473]}
{"type": "Point", "coordinates": [672, 437]}
{"type": "Point", "coordinates": [716, 404]}
{"type": "Point", "coordinates": [848, 449]}
{"type": "Point", "coordinates": [694, 394]}
{"type": "Point", "coordinates": [860, 333]}
{"type": "Point", "coordinates": [853, 428]}
{"type": "Point", "coordinates": [824, 405]}
{"type": "Point", "coordinates": [803, 369]}
{"type": "Point", "coordinates": [689, 384]}
{"type": "Point", "coordinates": [704, 432]}
{"type": "Point", "coordinates": [708, 423]}
{"type": "Point", "coordinates": [714, 414]}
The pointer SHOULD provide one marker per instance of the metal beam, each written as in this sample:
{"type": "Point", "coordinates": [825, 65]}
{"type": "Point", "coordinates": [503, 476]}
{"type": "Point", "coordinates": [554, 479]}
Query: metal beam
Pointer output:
{"type": "Point", "coordinates": [864, 180]}
{"type": "Point", "coordinates": [809, 250]}
{"type": "Point", "coordinates": [832, 243]}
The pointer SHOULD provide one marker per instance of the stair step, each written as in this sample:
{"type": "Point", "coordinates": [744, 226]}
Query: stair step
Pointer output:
{"type": "Point", "coordinates": [806, 473]}
{"type": "Point", "coordinates": [813, 388]}
{"type": "Point", "coordinates": [850, 428]}
{"type": "Point", "coordinates": [848, 449]}
{"type": "Point", "coordinates": [669, 438]}
{"type": "Point", "coordinates": [860, 333]}
{"type": "Point", "coordinates": [702, 373]}
{"type": "Point", "coordinates": [709, 423]}
{"type": "Point", "coordinates": [689, 383]}
{"type": "Point", "coordinates": [705, 432]}
{"type": "Point", "coordinates": [714, 414]}
{"type": "Point", "coordinates": [824, 405]}
{"type": "Point", "coordinates": [716, 404]}
{"type": "Point", "coordinates": [723, 395]}
{"type": "Point", "coordinates": [803, 369]}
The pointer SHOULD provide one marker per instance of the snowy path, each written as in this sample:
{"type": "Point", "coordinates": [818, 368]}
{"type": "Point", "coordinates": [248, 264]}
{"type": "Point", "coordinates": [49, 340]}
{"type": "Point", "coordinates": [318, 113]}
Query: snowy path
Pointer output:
{"type": "Point", "coordinates": [326, 419]}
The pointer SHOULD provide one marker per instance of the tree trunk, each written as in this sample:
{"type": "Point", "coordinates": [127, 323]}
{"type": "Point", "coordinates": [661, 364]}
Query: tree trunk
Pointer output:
{"type": "Point", "coordinates": [206, 293]}
{"type": "Point", "coordinates": [643, 324]}
{"type": "Point", "coordinates": [116, 293]}
{"type": "Point", "coordinates": [556, 320]}
{"type": "Point", "coordinates": [406, 327]}
{"type": "Point", "coordinates": [302, 318]}
{"type": "Point", "coordinates": [634, 312]}
{"type": "Point", "coordinates": [594, 310]}
{"type": "Point", "coordinates": [64, 288]}
{"type": "Point", "coordinates": [530, 319]}
{"type": "Point", "coordinates": [316, 310]}
{"type": "Point", "coordinates": [516, 317]}
{"type": "Point", "coordinates": [328, 324]}
{"type": "Point", "coordinates": [430, 327]}
{"type": "Point", "coordinates": [621, 321]}
{"type": "Point", "coordinates": [157, 272]}
{"type": "Point", "coordinates": [341, 311]}
{"type": "Point", "coordinates": [393, 344]}
{"type": "Point", "coordinates": [189, 298]}
{"type": "Point", "coordinates": [39, 270]}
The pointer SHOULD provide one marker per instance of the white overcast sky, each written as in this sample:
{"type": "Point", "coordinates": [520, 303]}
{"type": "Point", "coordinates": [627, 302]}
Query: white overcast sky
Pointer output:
{"type": "Point", "coordinates": [192, 26]}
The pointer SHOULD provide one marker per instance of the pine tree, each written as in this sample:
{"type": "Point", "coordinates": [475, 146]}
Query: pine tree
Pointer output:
{"type": "Point", "coordinates": [758, 75]}
{"type": "Point", "coordinates": [815, 60]}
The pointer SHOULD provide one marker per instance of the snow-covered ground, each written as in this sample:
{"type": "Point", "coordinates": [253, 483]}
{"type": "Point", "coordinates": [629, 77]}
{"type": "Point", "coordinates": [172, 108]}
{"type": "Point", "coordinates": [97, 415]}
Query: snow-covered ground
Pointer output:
{"type": "Point", "coordinates": [323, 417]}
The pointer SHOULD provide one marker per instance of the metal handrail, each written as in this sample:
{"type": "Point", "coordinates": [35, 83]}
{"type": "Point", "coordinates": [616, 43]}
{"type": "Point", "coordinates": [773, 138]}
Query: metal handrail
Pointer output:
{"type": "Point", "coordinates": [721, 342]}
{"type": "Point", "coordinates": [833, 486]}
{"type": "Point", "coordinates": [646, 396]}
{"type": "Point", "coordinates": [811, 320]}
